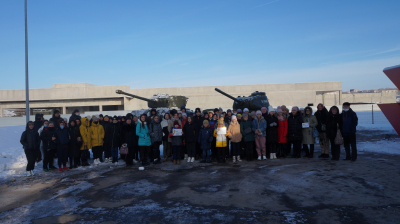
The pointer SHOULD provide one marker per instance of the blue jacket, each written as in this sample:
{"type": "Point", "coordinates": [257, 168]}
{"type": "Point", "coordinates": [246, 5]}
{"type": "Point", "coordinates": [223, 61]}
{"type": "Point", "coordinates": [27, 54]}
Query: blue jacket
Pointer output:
{"type": "Point", "coordinates": [262, 126]}
{"type": "Point", "coordinates": [205, 138]}
{"type": "Point", "coordinates": [350, 122]}
{"type": "Point", "coordinates": [62, 136]}
{"type": "Point", "coordinates": [143, 135]}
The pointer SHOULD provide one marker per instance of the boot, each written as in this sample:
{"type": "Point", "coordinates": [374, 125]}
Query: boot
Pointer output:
{"type": "Point", "coordinates": [189, 158]}
{"type": "Point", "coordinates": [238, 159]}
{"type": "Point", "coordinates": [174, 161]}
{"type": "Point", "coordinates": [259, 158]}
{"type": "Point", "coordinates": [234, 159]}
{"type": "Point", "coordinates": [271, 156]}
{"type": "Point", "coordinates": [178, 161]}
{"type": "Point", "coordinates": [264, 158]}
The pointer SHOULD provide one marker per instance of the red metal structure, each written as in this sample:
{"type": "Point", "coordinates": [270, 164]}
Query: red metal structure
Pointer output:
{"type": "Point", "coordinates": [392, 110]}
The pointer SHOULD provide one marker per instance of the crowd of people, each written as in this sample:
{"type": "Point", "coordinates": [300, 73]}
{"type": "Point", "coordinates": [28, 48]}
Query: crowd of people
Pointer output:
{"type": "Point", "coordinates": [208, 136]}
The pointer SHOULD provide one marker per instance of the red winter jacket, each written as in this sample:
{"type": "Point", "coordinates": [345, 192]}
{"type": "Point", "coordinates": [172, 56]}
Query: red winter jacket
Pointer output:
{"type": "Point", "coordinates": [282, 131]}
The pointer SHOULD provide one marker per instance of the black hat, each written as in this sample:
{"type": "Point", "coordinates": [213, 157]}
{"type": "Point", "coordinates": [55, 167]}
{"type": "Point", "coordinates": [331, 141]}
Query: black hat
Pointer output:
{"type": "Point", "coordinates": [197, 110]}
{"type": "Point", "coordinates": [346, 104]}
{"type": "Point", "coordinates": [229, 110]}
{"type": "Point", "coordinates": [216, 110]}
{"type": "Point", "coordinates": [56, 111]}
{"type": "Point", "coordinates": [101, 115]}
{"type": "Point", "coordinates": [115, 117]}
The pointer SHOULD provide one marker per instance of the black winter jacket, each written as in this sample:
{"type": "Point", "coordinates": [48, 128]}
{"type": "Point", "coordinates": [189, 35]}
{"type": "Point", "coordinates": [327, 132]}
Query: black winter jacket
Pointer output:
{"type": "Point", "coordinates": [198, 120]}
{"type": "Point", "coordinates": [334, 120]}
{"type": "Point", "coordinates": [190, 132]}
{"type": "Point", "coordinates": [112, 137]}
{"type": "Point", "coordinates": [295, 132]}
{"type": "Point", "coordinates": [272, 132]}
{"type": "Point", "coordinates": [128, 135]}
{"type": "Point", "coordinates": [350, 122]}
{"type": "Point", "coordinates": [74, 145]}
{"type": "Point", "coordinates": [38, 123]}
{"type": "Point", "coordinates": [46, 137]}
{"type": "Point", "coordinates": [62, 136]}
{"type": "Point", "coordinates": [55, 120]}
{"type": "Point", "coordinates": [322, 118]}
{"type": "Point", "coordinates": [30, 139]}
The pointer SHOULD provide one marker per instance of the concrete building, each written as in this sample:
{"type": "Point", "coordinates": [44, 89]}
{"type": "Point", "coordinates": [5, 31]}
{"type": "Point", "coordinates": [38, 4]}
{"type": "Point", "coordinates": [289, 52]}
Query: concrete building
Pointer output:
{"type": "Point", "coordinates": [88, 97]}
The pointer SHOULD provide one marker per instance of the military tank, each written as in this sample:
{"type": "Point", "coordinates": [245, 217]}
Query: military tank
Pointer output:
{"type": "Point", "coordinates": [253, 102]}
{"type": "Point", "coordinates": [162, 102]}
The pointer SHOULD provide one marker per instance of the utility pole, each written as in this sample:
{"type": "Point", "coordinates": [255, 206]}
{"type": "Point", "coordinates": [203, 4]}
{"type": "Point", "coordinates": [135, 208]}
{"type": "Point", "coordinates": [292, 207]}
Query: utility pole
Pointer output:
{"type": "Point", "coordinates": [26, 65]}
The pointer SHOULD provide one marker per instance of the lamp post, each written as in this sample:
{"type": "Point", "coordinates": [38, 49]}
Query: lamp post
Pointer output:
{"type": "Point", "coordinates": [26, 65]}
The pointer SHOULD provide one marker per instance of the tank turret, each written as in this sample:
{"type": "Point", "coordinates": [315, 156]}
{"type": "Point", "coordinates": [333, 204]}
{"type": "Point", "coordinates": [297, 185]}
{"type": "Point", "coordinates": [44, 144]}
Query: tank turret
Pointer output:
{"type": "Point", "coordinates": [162, 100]}
{"type": "Point", "coordinates": [253, 102]}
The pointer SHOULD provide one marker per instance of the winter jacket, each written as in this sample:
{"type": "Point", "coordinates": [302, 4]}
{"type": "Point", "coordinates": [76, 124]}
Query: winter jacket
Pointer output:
{"type": "Point", "coordinates": [73, 117]}
{"type": "Point", "coordinates": [205, 138]}
{"type": "Point", "coordinates": [190, 133]}
{"type": "Point", "coordinates": [156, 132]}
{"type": "Point", "coordinates": [260, 125]}
{"type": "Point", "coordinates": [164, 126]}
{"type": "Point", "coordinates": [350, 122]}
{"type": "Point", "coordinates": [234, 132]}
{"type": "Point", "coordinates": [30, 139]}
{"type": "Point", "coordinates": [308, 132]}
{"type": "Point", "coordinates": [46, 137]}
{"type": "Point", "coordinates": [38, 123]}
{"type": "Point", "coordinates": [295, 132]}
{"type": "Point", "coordinates": [282, 131]}
{"type": "Point", "coordinates": [212, 123]}
{"type": "Point", "coordinates": [198, 120]}
{"type": "Point", "coordinates": [74, 145]}
{"type": "Point", "coordinates": [55, 120]}
{"type": "Point", "coordinates": [322, 118]}
{"type": "Point", "coordinates": [175, 140]}
{"type": "Point", "coordinates": [272, 131]}
{"type": "Point", "coordinates": [171, 126]}
{"type": "Point", "coordinates": [97, 134]}
{"type": "Point", "coordinates": [128, 134]}
{"type": "Point", "coordinates": [247, 126]}
{"type": "Point", "coordinates": [84, 130]}
{"type": "Point", "coordinates": [333, 123]}
{"type": "Point", "coordinates": [62, 136]}
{"type": "Point", "coordinates": [143, 134]}
{"type": "Point", "coordinates": [112, 138]}
{"type": "Point", "coordinates": [220, 138]}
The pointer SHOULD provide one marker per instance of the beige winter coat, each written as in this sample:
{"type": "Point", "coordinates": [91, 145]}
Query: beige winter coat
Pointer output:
{"type": "Point", "coordinates": [234, 132]}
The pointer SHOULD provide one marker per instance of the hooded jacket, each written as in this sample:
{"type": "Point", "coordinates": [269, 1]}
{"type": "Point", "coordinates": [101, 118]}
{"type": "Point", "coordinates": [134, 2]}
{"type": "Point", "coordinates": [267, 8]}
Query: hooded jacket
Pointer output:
{"type": "Point", "coordinates": [112, 136]}
{"type": "Point", "coordinates": [30, 139]}
{"type": "Point", "coordinates": [322, 118]}
{"type": "Point", "coordinates": [234, 132]}
{"type": "Point", "coordinates": [272, 131]}
{"type": "Point", "coordinates": [74, 145]}
{"type": "Point", "coordinates": [260, 125]}
{"type": "Point", "coordinates": [46, 136]}
{"type": "Point", "coordinates": [156, 132]}
{"type": "Point", "coordinates": [84, 130]}
{"type": "Point", "coordinates": [97, 134]}
{"type": "Point", "coordinates": [55, 120]}
{"type": "Point", "coordinates": [350, 122]}
{"type": "Point", "coordinates": [333, 123]}
{"type": "Point", "coordinates": [73, 116]}
{"type": "Point", "coordinates": [38, 123]}
{"type": "Point", "coordinates": [308, 132]}
{"type": "Point", "coordinates": [205, 138]}
{"type": "Point", "coordinates": [128, 134]}
{"type": "Point", "coordinates": [294, 132]}
{"type": "Point", "coordinates": [190, 132]}
{"type": "Point", "coordinates": [247, 126]}
{"type": "Point", "coordinates": [143, 134]}
{"type": "Point", "coordinates": [220, 138]}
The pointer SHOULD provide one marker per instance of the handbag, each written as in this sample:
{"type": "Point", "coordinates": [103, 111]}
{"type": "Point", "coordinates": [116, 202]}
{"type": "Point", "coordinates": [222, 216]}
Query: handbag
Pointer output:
{"type": "Point", "coordinates": [123, 150]}
{"type": "Point", "coordinates": [338, 138]}
{"type": "Point", "coordinates": [315, 132]}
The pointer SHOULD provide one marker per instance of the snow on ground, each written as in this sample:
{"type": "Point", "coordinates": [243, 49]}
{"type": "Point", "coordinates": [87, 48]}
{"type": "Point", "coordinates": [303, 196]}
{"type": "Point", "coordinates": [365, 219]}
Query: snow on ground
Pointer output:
{"type": "Point", "coordinates": [384, 146]}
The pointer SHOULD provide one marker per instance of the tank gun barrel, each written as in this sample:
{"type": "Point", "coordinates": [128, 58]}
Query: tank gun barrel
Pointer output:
{"type": "Point", "coordinates": [227, 95]}
{"type": "Point", "coordinates": [118, 91]}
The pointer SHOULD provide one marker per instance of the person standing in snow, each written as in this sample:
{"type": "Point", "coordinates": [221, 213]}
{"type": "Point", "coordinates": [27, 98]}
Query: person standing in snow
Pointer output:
{"type": "Point", "coordinates": [142, 131]}
{"type": "Point", "coordinates": [272, 133]}
{"type": "Point", "coordinates": [205, 138]}
{"type": "Point", "coordinates": [62, 139]}
{"type": "Point", "coordinates": [235, 137]}
{"type": "Point", "coordinates": [156, 135]}
{"type": "Point", "coordinates": [128, 137]}
{"type": "Point", "coordinates": [198, 120]}
{"type": "Point", "coordinates": [295, 132]}
{"type": "Point", "coordinates": [74, 146]}
{"type": "Point", "coordinates": [282, 133]}
{"type": "Point", "coordinates": [113, 139]}
{"type": "Point", "coordinates": [166, 144]}
{"type": "Point", "coordinates": [84, 130]}
{"type": "Point", "coordinates": [49, 146]}
{"type": "Point", "coordinates": [308, 138]}
{"type": "Point", "coordinates": [56, 118]}
{"type": "Point", "coordinates": [259, 128]}
{"type": "Point", "coordinates": [349, 128]}
{"type": "Point", "coordinates": [31, 143]}
{"type": "Point", "coordinates": [176, 142]}
{"type": "Point", "coordinates": [190, 136]}
{"type": "Point", "coordinates": [97, 135]}
{"type": "Point", "coordinates": [221, 142]}
{"type": "Point", "coordinates": [38, 123]}
{"type": "Point", "coordinates": [246, 128]}
{"type": "Point", "coordinates": [322, 118]}
{"type": "Point", "coordinates": [333, 125]}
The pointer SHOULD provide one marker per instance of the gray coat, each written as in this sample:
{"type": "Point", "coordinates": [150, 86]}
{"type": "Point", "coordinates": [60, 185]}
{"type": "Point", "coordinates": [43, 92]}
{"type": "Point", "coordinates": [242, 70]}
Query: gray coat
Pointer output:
{"type": "Point", "coordinates": [308, 132]}
{"type": "Point", "coordinates": [156, 132]}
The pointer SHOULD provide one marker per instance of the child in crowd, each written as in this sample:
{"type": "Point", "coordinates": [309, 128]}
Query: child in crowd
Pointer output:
{"type": "Point", "coordinates": [31, 143]}
{"type": "Point", "coordinates": [176, 142]}
{"type": "Point", "coordinates": [205, 139]}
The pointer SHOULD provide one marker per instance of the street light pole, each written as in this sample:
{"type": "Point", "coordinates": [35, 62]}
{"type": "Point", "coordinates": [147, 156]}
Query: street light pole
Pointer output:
{"type": "Point", "coordinates": [26, 65]}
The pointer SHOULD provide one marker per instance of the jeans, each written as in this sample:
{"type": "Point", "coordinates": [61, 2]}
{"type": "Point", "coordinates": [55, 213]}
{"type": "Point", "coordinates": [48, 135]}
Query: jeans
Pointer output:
{"type": "Point", "coordinates": [350, 140]}
{"type": "Point", "coordinates": [114, 153]}
{"type": "Point", "coordinates": [31, 157]}
{"type": "Point", "coordinates": [191, 149]}
{"type": "Point", "coordinates": [176, 152]}
{"type": "Point", "coordinates": [235, 148]}
{"type": "Point", "coordinates": [62, 153]}
{"type": "Point", "coordinates": [207, 155]}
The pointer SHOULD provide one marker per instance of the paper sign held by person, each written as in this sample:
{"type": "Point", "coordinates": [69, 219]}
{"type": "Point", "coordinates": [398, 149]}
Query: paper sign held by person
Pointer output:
{"type": "Point", "coordinates": [221, 131]}
{"type": "Point", "coordinates": [177, 132]}
{"type": "Point", "coordinates": [305, 125]}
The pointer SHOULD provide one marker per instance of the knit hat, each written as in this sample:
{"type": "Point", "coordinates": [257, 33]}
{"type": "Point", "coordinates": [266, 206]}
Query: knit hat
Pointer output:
{"type": "Point", "coordinates": [245, 115]}
{"type": "Point", "coordinates": [346, 104]}
{"type": "Point", "coordinates": [221, 115]}
{"type": "Point", "coordinates": [279, 110]}
{"type": "Point", "coordinates": [295, 107]}
{"type": "Point", "coordinates": [95, 117]}
{"type": "Point", "coordinates": [239, 115]}
{"type": "Point", "coordinates": [205, 122]}
{"type": "Point", "coordinates": [115, 118]}
{"type": "Point", "coordinates": [220, 109]}
{"type": "Point", "coordinates": [245, 109]}
{"type": "Point", "coordinates": [239, 110]}
{"type": "Point", "coordinates": [183, 107]}
{"type": "Point", "coordinates": [229, 110]}
{"type": "Point", "coordinates": [233, 117]}
{"type": "Point", "coordinates": [270, 108]}
{"type": "Point", "coordinates": [264, 108]}
{"type": "Point", "coordinates": [184, 114]}
{"type": "Point", "coordinates": [101, 115]}
{"type": "Point", "coordinates": [179, 112]}
{"type": "Point", "coordinates": [216, 110]}
{"type": "Point", "coordinates": [197, 110]}
{"type": "Point", "coordinates": [176, 123]}
{"type": "Point", "coordinates": [258, 112]}
{"type": "Point", "coordinates": [253, 113]}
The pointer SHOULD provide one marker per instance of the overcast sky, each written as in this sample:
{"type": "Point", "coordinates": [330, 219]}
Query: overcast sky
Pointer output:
{"type": "Point", "coordinates": [147, 44]}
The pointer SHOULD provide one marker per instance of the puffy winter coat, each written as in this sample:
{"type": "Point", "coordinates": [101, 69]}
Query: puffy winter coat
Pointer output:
{"type": "Point", "coordinates": [38, 123]}
{"type": "Point", "coordinates": [205, 138]}
{"type": "Point", "coordinates": [247, 126]}
{"type": "Point", "coordinates": [282, 131]}
{"type": "Point", "coordinates": [55, 120]}
{"type": "Point", "coordinates": [171, 126]}
{"type": "Point", "coordinates": [97, 134]}
{"type": "Point", "coordinates": [30, 139]}
{"type": "Point", "coordinates": [190, 132]}
{"type": "Point", "coordinates": [143, 134]}
{"type": "Point", "coordinates": [308, 132]}
{"type": "Point", "coordinates": [333, 123]}
{"type": "Point", "coordinates": [128, 134]}
{"type": "Point", "coordinates": [220, 138]}
{"type": "Point", "coordinates": [74, 145]}
{"type": "Point", "coordinates": [62, 136]}
{"type": "Point", "coordinates": [156, 132]}
{"type": "Point", "coordinates": [272, 131]}
{"type": "Point", "coordinates": [46, 136]}
{"type": "Point", "coordinates": [234, 132]}
{"type": "Point", "coordinates": [73, 117]}
{"type": "Point", "coordinates": [260, 125]}
{"type": "Point", "coordinates": [350, 122]}
{"type": "Point", "coordinates": [212, 123]}
{"type": "Point", "coordinates": [112, 138]}
{"type": "Point", "coordinates": [198, 120]}
{"type": "Point", "coordinates": [322, 118]}
{"type": "Point", "coordinates": [175, 140]}
{"type": "Point", "coordinates": [295, 132]}
{"type": "Point", "coordinates": [84, 130]}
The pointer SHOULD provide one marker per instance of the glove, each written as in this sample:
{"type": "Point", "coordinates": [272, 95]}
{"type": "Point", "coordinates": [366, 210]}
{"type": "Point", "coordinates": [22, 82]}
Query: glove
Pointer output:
{"type": "Point", "coordinates": [271, 125]}
{"type": "Point", "coordinates": [275, 124]}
